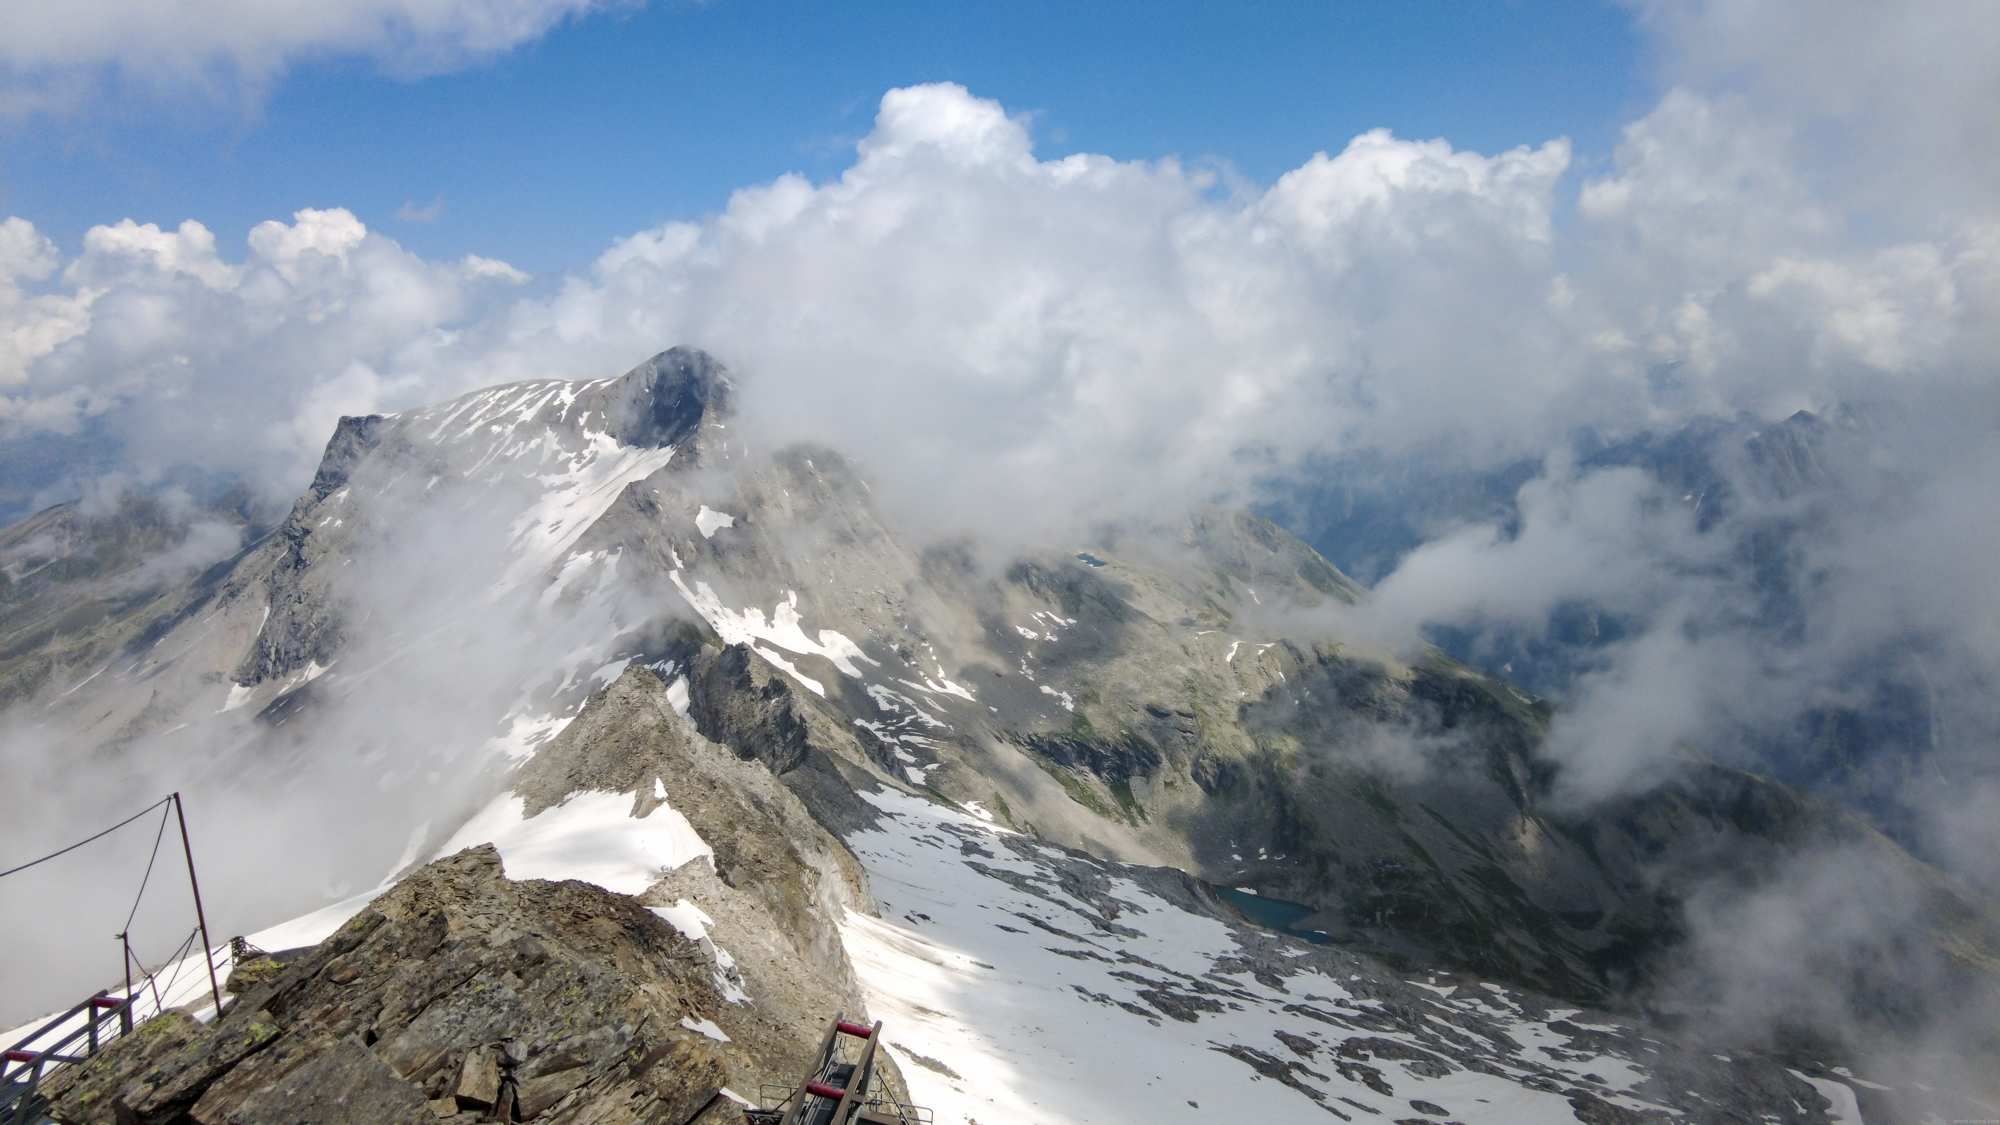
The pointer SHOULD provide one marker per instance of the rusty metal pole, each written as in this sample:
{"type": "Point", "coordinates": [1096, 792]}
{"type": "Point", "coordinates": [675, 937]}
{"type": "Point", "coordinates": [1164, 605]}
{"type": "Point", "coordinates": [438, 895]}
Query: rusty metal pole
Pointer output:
{"type": "Point", "coordinates": [214, 987]}
{"type": "Point", "coordinates": [125, 1013]}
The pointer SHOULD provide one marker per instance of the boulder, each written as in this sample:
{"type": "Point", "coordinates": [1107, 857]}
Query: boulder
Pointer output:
{"type": "Point", "coordinates": [347, 1084]}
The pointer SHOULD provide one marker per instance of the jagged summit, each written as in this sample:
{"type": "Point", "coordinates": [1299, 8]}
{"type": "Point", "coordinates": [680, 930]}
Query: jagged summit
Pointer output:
{"type": "Point", "coordinates": [666, 399]}
{"type": "Point", "coordinates": [546, 457]}
{"type": "Point", "coordinates": [656, 405]}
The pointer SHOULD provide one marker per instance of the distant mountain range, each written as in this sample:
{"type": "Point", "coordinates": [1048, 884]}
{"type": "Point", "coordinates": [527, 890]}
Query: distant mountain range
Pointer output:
{"type": "Point", "coordinates": [574, 574]}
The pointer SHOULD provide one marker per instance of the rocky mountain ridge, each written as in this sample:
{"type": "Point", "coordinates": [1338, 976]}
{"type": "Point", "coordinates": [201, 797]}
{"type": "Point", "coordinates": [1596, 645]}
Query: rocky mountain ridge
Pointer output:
{"type": "Point", "coordinates": [1173, 698]}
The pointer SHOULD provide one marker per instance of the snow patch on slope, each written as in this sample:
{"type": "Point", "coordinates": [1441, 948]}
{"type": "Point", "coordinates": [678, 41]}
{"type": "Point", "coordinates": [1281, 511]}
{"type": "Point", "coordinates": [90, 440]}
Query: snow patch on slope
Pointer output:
{"type": "Point", "coordinates": [708, 521]}
{"type": "Point", "coordinates": [578, 491]}
{"type": "Point", "coordinates": [1846, 1108]}
{"type": "Point", "coordinates": [782, 630]}
{"type": "Point", "coordinates": [238, 696]}
{"type": "Point", "coordinates": [526, 734]}
{"type": "Point", "coordinates": [693, 923]}
{"type": "Point", "coordinates": [316, 927]}
{"type": "Point", "coordinates": [591, 836]}
{"type": "Point", "coordinates": [791, 670]}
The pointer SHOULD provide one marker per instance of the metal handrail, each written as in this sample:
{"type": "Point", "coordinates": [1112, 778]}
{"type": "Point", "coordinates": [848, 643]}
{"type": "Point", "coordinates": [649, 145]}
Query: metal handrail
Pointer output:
{"type": "Point", "coordinates": [19, 1060]}
{"type": "Point", "coordinates": [774, 1100]}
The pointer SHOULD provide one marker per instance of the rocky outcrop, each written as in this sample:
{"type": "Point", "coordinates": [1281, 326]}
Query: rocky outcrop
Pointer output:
{"type": "Point", "coordinates": [304, 625]}
{"type": "Point", "coordinates": [773, 899]}
{"type": "Point", "coordinates": [354, 438]}
{"type": "Point", "coordinates": [777, 873]}
{"type": "Point", "coordinates": [739, 701]}
{"type": "Point", "coordinates": [456, 994]}
{"type": "Point", "coordinates": [759, 714]}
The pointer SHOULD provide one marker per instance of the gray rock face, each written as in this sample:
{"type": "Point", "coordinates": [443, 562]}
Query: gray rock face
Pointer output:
{"type": "Point", "coordinates": [739, 708]}
{"type": "Point", "coordinates": [457, 988]}
{"type": "Point", "coordinates": [665, 400]}
{"type": "Point", "coordinates": [346, 1084]}
{"type": "Point", "coordinates": [354, 438]}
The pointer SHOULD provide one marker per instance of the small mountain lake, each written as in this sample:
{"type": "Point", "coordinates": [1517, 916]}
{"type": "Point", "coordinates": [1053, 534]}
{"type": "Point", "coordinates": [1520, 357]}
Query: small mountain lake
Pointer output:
{"type": "Point", "coordinates": [1273, 913]}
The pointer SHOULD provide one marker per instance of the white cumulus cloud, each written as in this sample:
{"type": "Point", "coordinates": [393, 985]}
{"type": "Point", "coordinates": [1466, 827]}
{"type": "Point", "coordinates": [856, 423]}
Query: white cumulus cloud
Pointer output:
{"type": "Point", "coordinates": [183, 359]}
{"type": "Point", "coordinates": [1024, 349]}
{"type": "Point", "coordinates": [50, 53]}
{"type": "Point", "coordinates": [1896, 98]}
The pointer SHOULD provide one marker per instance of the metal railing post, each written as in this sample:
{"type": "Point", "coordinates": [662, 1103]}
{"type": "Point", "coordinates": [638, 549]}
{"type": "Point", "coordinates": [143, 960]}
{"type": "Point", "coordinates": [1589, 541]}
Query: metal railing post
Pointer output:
{"type": "Point", "coordinates": [214, 987]}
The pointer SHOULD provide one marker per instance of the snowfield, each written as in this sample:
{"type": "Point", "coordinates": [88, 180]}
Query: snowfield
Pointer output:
{"type": "Point", "coordinates": [590, 836]}
{"type": "Point", "coordinates": [1026, 984]}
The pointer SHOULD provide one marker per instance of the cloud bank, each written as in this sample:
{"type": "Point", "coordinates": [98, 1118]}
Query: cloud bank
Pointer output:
{"type": "Point", "coordinates": [1024, 350]}
{"type": "Point", "coordinates": [150, 340]}
{"type": "Point", "coordinates": [1892, 102]}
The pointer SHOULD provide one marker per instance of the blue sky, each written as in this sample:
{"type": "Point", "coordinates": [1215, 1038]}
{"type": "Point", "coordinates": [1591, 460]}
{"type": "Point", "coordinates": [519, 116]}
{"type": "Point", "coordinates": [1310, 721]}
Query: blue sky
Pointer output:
{"type": "Point", "coordinates": [616, 121]}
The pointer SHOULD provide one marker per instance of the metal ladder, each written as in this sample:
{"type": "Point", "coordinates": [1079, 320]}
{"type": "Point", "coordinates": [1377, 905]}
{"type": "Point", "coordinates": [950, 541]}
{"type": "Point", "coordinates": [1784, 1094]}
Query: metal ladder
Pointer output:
{"type": "Point", "coordinates": [835, 1090]}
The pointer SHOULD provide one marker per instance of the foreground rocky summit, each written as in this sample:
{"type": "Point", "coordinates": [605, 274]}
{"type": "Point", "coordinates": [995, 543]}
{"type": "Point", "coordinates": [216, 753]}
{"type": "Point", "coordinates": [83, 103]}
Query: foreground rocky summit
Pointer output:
{"type": "Point", "coordinates": [457, 993]}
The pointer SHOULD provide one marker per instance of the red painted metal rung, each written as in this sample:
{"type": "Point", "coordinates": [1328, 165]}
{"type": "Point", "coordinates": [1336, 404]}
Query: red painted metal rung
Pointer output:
{"type": "Point", "coordinates": [106, 1001]}
{"type": "Point", "coordinates": [822, 1090]}
{"type": "Point", "coordinates": [23, 1056]}
{"type": "Point", "coordinates": [859, 1031]}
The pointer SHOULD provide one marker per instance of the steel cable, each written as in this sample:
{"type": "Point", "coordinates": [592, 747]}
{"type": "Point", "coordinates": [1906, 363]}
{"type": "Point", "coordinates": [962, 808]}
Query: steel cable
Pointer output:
{"type": "Point", "coordinates": [100, 835]}
{"type": "Point", "coordinates": [148, 877]}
